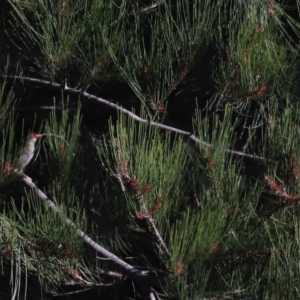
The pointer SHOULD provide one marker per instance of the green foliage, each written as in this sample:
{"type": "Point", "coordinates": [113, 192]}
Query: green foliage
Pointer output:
{"type": "Point", "coordinates": [158, 55]}
{"type": "Point", "coordinates": [62, 32]}
{"type": "Point", "coordinates": [7, 117]}
{"type": "Point", "coordinates": [60, 145]}
{"type": "Point", "coordinates": [206, 219]}
{"type": "Point", "coordinates": [42, 236]}
{"type": "Point", "coordinates": [253, 54]}
{"type": "Point", "coordinates": [137, 148]}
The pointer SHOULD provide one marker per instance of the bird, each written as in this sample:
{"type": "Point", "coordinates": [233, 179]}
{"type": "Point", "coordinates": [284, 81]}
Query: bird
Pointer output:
{"type": "Point", "coordinates": [26, 154]}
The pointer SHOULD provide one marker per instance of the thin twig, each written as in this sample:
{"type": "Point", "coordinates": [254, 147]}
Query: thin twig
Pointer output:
{"type": "Point", "coordinates": [152, 226]}
{"type": "Point", "coordinates": [143, 10]}
{"type": "Point", "coordinates": [187, 134]}
{"type": "Point", "coordinates": [145, 211]}
{"type": "Point", "coordinates": [153, 5]}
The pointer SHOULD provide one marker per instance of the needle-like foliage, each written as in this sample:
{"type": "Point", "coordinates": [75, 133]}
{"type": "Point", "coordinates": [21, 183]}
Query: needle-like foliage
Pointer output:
{"type": "Point", "coordinates": [168, 161]}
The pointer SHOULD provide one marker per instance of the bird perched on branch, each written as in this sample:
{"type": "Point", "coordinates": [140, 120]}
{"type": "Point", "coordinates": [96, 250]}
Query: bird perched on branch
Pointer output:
{"type": "Point", "coordinates": [26, 154]}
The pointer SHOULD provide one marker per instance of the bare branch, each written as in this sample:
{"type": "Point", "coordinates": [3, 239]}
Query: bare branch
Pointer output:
{"type": "Point", "coordinates": [125, 111]}
{"type": "Point", "coordinates": [140, 277]}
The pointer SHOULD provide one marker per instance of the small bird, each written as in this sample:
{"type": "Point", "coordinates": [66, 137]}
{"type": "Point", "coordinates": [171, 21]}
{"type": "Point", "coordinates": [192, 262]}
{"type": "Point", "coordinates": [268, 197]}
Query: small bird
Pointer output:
{"type": "Point", "coordinates": [26, 154]}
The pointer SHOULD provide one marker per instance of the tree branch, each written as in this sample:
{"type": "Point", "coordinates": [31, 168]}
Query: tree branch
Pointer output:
{"type": "Point", "coordinates": [143, 279]}
{"type": "Point", "coordinates": [125, 111]}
